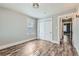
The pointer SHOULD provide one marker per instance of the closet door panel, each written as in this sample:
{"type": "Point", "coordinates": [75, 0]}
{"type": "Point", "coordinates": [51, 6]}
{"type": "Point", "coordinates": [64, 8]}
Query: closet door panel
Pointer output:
{"type": "Point", "coordinates": [45, 29]}
{"type": "Point", "coordinates": [48, 30]}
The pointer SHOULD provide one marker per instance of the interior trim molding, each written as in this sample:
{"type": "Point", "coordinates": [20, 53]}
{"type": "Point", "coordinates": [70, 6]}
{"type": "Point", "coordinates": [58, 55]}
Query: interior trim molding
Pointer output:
{"type": "Point", "coordinates": [58, 42]}
{"type": "Point", "coordinates": [15, 43]}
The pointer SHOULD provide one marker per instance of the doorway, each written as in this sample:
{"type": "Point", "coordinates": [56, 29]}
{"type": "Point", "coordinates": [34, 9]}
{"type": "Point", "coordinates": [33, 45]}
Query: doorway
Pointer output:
{"type": "Point", "coordinates": [67, 30]}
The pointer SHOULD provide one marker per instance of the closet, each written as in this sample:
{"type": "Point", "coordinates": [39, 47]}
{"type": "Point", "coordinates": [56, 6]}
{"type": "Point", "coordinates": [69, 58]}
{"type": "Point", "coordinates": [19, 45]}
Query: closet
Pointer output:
{"type": "Point", "coordinates": [45, 29]}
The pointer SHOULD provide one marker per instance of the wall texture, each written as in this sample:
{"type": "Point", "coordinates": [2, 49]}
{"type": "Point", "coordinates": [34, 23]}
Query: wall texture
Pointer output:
{"type": "Point", "coordinates": [76, 33]}
{"type": "Point", "coordinates": [15, 27]}
{"type": "Point", "coordinates": [55, 24]}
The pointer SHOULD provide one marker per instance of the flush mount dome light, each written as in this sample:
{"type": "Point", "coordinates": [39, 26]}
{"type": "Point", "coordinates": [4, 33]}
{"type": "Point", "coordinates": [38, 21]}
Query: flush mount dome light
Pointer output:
{"type": "Point", "coordinates": [35, 5]}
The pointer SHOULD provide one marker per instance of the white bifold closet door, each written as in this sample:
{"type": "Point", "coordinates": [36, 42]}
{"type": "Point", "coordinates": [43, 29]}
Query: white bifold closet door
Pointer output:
{"type": "Point", "coordinates": [45, 29]}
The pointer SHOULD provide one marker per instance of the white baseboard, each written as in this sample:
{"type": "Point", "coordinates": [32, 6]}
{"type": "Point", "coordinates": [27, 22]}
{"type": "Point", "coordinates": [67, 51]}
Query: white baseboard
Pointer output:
{"type": "Point", "coordinates": [12, 44]}
{"type": "Point", "coordinates": [77, 50]}
{"type": "Point", "coordinates": [54, 41]}
{"type": "Point", "coordinates": [19, 42]}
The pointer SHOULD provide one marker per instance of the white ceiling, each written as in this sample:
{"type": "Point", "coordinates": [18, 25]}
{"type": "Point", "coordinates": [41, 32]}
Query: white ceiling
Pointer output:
{"type": "Point", "coordinates": [44, 10]}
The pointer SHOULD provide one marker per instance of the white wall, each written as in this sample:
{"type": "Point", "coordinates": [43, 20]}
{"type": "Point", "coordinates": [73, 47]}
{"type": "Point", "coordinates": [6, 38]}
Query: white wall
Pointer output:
{"type": "Point", "coordinates": [76, 33]}
{"type": "Point", "coordinates": [55, 29]}
{"type": "Point", "coordinates": [55, 24]}
{"type": "Point", "coordinates": [15, 27]}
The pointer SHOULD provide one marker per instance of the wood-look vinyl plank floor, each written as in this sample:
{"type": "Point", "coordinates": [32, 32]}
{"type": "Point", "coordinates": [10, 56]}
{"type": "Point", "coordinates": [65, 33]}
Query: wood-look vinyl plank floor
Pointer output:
{"type": "Point", "coordinates": [39, 48]}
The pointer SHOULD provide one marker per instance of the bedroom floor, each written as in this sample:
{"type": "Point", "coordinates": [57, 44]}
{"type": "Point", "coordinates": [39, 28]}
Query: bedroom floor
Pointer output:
{"type": "Point", "coordinates": [39, 48]}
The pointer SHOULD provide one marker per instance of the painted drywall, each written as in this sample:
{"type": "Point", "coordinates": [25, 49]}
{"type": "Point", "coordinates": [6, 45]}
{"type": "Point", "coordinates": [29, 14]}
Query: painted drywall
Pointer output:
{"type": "Point", "coordinates": [75, 28]}
{"type": "Point", "coordinates": [55, 24]}
{"type": "Point", "coordinates": [15, 27]}
{"type": "Point", "coordinates": [44, 10]}
{"type": "Point", "coordinates": [76, 33]}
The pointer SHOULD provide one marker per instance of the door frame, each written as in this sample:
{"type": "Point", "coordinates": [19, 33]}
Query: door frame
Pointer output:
{"type": "Point", "coordinates": [66, 16]}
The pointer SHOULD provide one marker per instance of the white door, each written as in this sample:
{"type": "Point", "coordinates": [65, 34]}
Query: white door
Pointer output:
{"type": "Point", "coordinates": [48, 30]}
{"type": "Point", "coordinates": [40, 33]}
{"type": "Point", "coordinates": [45, 30]}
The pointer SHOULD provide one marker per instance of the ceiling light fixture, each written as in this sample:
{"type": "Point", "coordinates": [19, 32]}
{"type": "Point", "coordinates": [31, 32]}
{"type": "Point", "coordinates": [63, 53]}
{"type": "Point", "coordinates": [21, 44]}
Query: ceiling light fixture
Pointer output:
{"type": "Point", "coordinates": [35, 5]}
